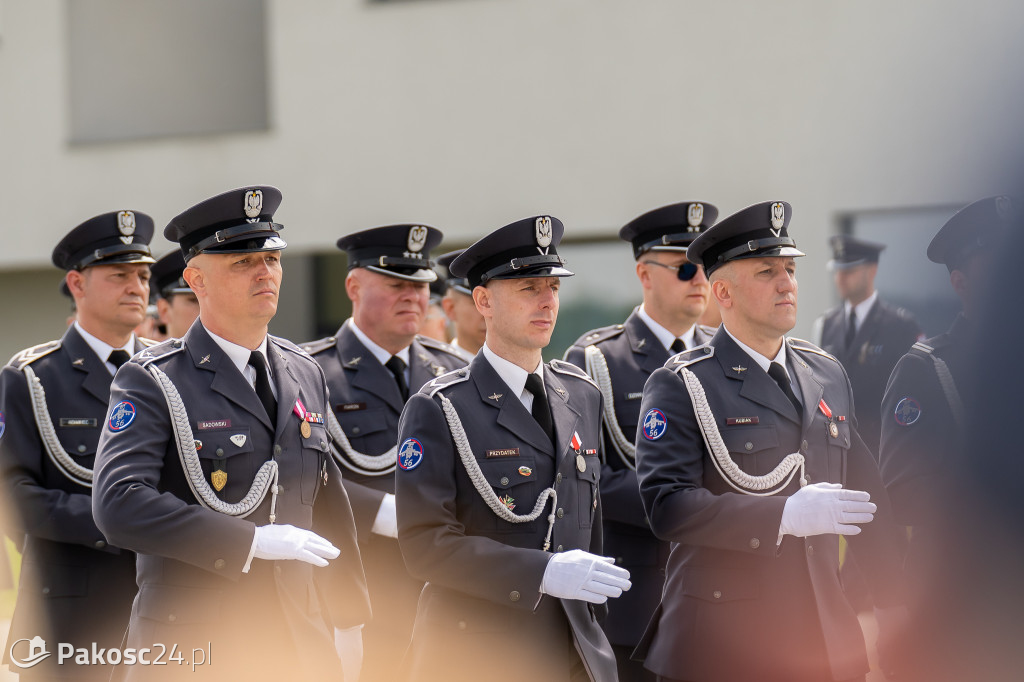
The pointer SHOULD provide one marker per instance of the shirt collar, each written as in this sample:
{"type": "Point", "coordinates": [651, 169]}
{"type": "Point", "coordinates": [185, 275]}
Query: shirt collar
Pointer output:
{"type": "Point", "coordinates": [382, 355]}
{"type": "Point", "coordinates": [512, 374]}
{"type": "Point", "coordinates": [862, 308]}
{"type": "Point", "coordinates": [664, 336]}
{"type": "Point", "coordinates": [102, 348]}
{"type": "Point", "coordinates": [762, 360]}
{"type": "Point", "coordinates": [239, 355]}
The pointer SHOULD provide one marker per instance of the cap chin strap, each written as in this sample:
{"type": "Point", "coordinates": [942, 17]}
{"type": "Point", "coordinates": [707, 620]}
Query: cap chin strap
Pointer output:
{"type": "Point", "coordinates": [755, 245]}
{"type": "Point", "coordinates": [97, 255]}
{"type": "Point", "coordinates": [517, 264]}
{"type": "Point", "coordinates": [221, 236]}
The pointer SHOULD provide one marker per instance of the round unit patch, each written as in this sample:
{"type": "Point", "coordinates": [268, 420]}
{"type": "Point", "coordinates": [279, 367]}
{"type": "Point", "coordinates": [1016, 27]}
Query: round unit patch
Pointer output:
{"type": "Point", "coordinates": [122, 416]}
{"type": "Point", "coordinates": [907, 412]}
{"type": "Point", "coordinates": [3, 424]}
{"type": "Point", "coordinates": [410, 454]}
{"type": "Point", "coordinates": [655, 424]}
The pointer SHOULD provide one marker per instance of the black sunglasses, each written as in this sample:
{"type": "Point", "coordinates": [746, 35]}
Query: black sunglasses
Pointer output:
{"type": "Point", "coordinates": [684, 272]}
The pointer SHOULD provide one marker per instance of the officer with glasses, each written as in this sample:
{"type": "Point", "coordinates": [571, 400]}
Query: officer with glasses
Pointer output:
{"type": "Point", "coordinates": [620, 358]}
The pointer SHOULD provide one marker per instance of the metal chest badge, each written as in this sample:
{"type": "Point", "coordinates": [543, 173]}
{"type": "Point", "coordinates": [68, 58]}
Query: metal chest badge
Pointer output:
{"type": "Point", "coordinates": [300, 410]}
{"type": "Point", "coordinates": [219, 479]}
{"type": "Point", "coordinates": [833, 430]}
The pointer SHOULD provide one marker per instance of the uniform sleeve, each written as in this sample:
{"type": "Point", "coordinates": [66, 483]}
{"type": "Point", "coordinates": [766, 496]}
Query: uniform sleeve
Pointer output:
{"type": "Point", "coordinates": [35, 509]}
{"type": "Point", "coordinates": [671, 475]}
{"type": "Point", "coordinates": [128, 504]}
{"type": "Point", "coordinates": [434, 543]}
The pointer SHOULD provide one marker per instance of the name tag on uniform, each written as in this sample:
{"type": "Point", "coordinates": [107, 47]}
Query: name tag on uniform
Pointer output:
{"type": "Point", "coordinates": [734, 421]}
{"type": "Point", "coordinates": [349, 407]}
{"type": "Point", "coordinates": [79, 421]}
{"type": "Point", "coordinates": [636, 395]}
{"type": "Point", "coordinates": [213, 424]}
{"type": "Point", "coordinates": [507, 452]}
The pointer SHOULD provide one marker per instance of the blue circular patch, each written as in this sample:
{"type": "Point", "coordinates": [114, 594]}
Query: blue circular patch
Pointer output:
{"type": "Point", "coordinates": [3, 424]}
{"type": "Point", "coordinates": [410, 454]}
{"type": "Point", "coordinates": [122, 416]}
{"type": "Point", "coordinates": [655, 424]}
{"type": "Point", "coordinates": [907, 412]}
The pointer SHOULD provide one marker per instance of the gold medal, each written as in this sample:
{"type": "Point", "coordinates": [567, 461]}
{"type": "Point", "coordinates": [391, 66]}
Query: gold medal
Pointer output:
{"type": "Point", "coordinates": [581, 463]}
{"type": "Point", "coordinates": [304, 429]}
{"type": "Point", "coordinates": [219, 479]}
{"type": "Point", "coordinates": [833, 430]}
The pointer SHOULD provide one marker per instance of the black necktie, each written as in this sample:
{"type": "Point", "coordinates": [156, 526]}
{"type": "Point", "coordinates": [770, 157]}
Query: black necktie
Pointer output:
{"type": "Point", "coordinates": [263, 389]}
{"type": "Point", "coordinates": [677, 346]}
{"type": "Point", "coordinates": [397, 367]}
{"type": "Point", "coordinates": [851, 328]}
{"type": "Point", "coordinates": [118, 358]}
{"type": "Point", "coordinates": [541, 410]}
{"type": "Point", "coordinates": [778, 372]}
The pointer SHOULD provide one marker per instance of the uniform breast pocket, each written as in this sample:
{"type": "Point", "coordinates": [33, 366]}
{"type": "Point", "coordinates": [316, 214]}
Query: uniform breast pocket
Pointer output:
{"type": "Point", "coordinates": [515, 482]}
{"type": "Point", "coordinates": [226, 458]}
{"type": "Point", "coordinates": [80, 440]}
{"type": "Point", "coordinates": [588, 474]}
{"type": "Point", "coordinates": [365, 426]}
{"type": "Point", "coordinates": [754, 448]}
{"type": "Point", "coordinates": [314, 454]}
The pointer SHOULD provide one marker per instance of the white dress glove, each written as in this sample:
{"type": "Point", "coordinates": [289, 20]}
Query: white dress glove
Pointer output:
{"type": "Point", "coordinates": [823, 508]}
{"type": "Point", "coordinates": [288, 542]}
{"type": "Point", "coordinates": [386, 521]}
{"type": "Point", "coordinates": [581, 575]}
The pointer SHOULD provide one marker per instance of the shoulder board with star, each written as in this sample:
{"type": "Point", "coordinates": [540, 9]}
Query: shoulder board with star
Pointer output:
{"type": "Point", "coordinates": [456, 376]}
{"type": "Point", "coordinates": [290, 345]}
{"type": "Point", "coordinates": [160, 351]}
{"type": "Point", "coordinates": [320, 345]}
{"type": "Point", "coordinates": [570, 369]}
{"type": "Point", "coordinates": [922, 347]}
{"type": "Point", "coordinates": [690, 356]}
{"type": "Point", "coordinates": [434, 344]}
{"type": "Point", "coordinates": [30, 355]}
{"type": "Point", "coordinates": [808, 347]}
{"type": "Point", "coordinates": [595, 336]}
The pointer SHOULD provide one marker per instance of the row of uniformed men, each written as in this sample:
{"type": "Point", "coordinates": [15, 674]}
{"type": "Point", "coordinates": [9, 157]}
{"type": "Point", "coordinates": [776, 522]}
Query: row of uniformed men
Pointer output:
{"type": "Point", "coordinates": [186, 450]}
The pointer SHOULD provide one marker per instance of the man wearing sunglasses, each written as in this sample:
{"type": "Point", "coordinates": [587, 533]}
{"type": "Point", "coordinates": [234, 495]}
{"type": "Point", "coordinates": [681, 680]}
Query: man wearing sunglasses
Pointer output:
{"type": "Point", "coordinates": [620, 358]}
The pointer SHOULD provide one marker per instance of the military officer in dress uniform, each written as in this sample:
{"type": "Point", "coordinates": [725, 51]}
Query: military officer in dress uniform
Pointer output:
{"type": "Point", "coordinates": [866, 334]}
{"type": "Point", "coordinates": [176, 304]}
{"type": "Point", "coordinates": [749, 460]}
{"type": "Point", "coordinates": [76, 587]}
{"type": "Point", "coordinates": [498, 472]}
{"type": "Point", "coordinates": [458, 305]}
{"type": "Point", "coordinates": [214, 466]}
{"type": "Point", "coordinates": [620, 358]}
{"type": "Point", "coordinates": [923, 422]}
{"type": "Point", "coordinates": [372, 364]}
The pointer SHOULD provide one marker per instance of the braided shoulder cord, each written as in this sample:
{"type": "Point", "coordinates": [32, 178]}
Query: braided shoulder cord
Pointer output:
{"type": "Point", "coordinates": [58, 455]}
{"type": "Point", "coordinates": [597, 368]}
{"type": "Point", "coordinates": [481, 484]}
{"type": "Point", "coordinates": [760, 486]}
{"type": "Point", "coordinates": [956, 405]}
{"type": "Point", "coordinates": [266, 478]}
{"type": "Point", "coordinates": [368, 465]}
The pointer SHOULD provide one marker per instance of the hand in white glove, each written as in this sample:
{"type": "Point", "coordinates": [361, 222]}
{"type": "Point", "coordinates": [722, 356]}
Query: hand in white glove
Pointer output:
{"type": "Point", "coordinates": [822, 508]}
{"type": "Point", "coordinates": [386, 521]}
{"type": "Point", "coordinates": [581, 575]}
{"type": "Point", "coordinates": [289, 542]}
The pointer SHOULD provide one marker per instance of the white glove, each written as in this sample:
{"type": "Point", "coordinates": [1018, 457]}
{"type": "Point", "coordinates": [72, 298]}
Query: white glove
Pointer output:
{"type": "Point", "coordinates": [823, 508]}
{"type": "Point", "coordinates": [581, 575]}
{"type": "Point", "coordinates": [386, 521]}
{"type": "Point", "coordinates": [289, 542]}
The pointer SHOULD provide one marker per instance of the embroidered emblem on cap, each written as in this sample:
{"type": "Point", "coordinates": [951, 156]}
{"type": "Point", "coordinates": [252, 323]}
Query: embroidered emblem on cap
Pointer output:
{"type": "Point", "coordinates": [253, 204]}
{"type": "Point", "coordinates": [655, 424]}
{"type": "Point", "coordinates": [122, 416]}
{"type": "Point", "coordinates": [908, 411]}
{"type": "Point", "coordinates": [417, 238]}
{"type": "Point", "coordinates": [542, 232]}
{"type": "Point", "coordinates": [778, 218]}
{"type": "Point", "coordinates": [126, 226]}
{"type": "Point", "coordinates": [695, 216]}
{"type": "Point", "coordinates": [410, 454]}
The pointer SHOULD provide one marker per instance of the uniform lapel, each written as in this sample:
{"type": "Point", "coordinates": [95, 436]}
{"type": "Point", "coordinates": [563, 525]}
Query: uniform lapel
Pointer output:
{"type": "Point", "coordinates": [811, 390]}
{"type": "Point", "coordinates": [365, 372]}
{"type": "Point", "coordinates": [224, 376]}
{"type": "Point", "coordinates": [97, 378]}
{"type": "Point", "coordinates": [757, 385]}
{"type": "Point", "coordinates": [511, 413]}
{"type": "Point", "coordinates": [650, 354]}
{"type": "Point", "coordinates": [563, 414]}
{"type": "Point", "coordinates": [422, 366]}
{"type": "Point", "coordinates": [285, 380]}
{"type": "Point", "coordinates": [866, 330]}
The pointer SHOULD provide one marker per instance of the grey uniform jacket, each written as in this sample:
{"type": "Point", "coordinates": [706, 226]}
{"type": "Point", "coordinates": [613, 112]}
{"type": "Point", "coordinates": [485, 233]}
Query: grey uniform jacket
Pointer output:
{"type": "Point", "coordinates": [75, 587]}
{"type": "Point", "coordinates": [484, 573]}
{"type": "Point", "coordinates": [736, 605]}
{"type": "Point", "coordinates": [278, 617]}
{"type": "Point", "coordinates": [632, 353]}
